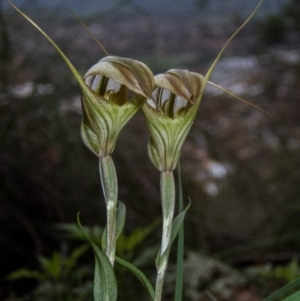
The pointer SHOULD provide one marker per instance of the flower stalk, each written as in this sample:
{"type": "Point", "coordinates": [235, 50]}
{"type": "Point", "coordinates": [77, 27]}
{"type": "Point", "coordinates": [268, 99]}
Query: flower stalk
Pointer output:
{"type": "Point", "coordinates": [109, 182]}
{"type": "Point", "coordinates": [167, 185]}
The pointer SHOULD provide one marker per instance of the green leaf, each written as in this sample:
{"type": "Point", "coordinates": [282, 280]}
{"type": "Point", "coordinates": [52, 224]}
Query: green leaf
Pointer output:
{"type": "Point", "coordinates": [144, 256]}
{"type": "Point", "coordinates": [78, 252]}
{"type": "Point", "coordinates": [52, 266]}
{"type": "Point", "coordinates": [138, 235]}
{"type": "Point", "coordinates": [294, 297]}
{"type": "Point", "coordinates": [105, 284]}
{"type": "Point", "coordinates": [73, 232]}
{"type": "Point", "coordinates": [178, 221]}
{"type": "Point", "coordinates": [121, 216]}
{"type": "Point", "coordinates": [70, 262]}
{"type": "Point", "coordinates": [24, 273]}
{"type": "Point", "coordinates": [139, 274]}
{"type": "Point", "coordinates": [44, 262]}
{"type": "Point", "coordinates": [176, 225]}
{"type": "Point", "coordinates": [290, 292]}
{"type": "Point", "coordinates": [55, 265]}
{"type": "Point", "coordinates": [135, 238]}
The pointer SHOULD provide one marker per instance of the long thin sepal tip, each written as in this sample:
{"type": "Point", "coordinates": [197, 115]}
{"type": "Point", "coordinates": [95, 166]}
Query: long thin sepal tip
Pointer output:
{"type": "Point", "coordinates": [211, 69]}
{"type": "Point", "coordinates": [239, 98]}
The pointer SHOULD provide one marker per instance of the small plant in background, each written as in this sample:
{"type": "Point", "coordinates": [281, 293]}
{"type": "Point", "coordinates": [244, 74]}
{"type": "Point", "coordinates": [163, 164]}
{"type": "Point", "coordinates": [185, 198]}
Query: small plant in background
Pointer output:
{"type": "Point", "coordinates": [67, 277]}
{"type": "Point", "coordinates": [59, 277]}
{"type": "Point", "coordinates": [112, 92]}
{"type": "Point", "coordinates": [129, 246]}
{"type": "Point", "coordinates": [283, 274]}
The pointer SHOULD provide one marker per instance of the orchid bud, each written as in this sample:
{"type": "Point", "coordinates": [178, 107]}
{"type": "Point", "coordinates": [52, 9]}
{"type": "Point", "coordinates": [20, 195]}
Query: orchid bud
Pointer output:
{"type": "Point", "coordinates": [118, 87]}
{"type": "Point", "coordinates": [170, 113]}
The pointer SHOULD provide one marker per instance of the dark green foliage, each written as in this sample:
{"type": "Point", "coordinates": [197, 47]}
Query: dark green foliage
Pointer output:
{"type": "Point", "coordinates": [105, 283]}
{"type": "Point", "coordinates": [59, 277]}
{"type": "Point", "coordinates": [290, 292]}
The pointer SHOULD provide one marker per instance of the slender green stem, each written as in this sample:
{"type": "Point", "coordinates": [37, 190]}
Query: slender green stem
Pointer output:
{"type": "Point", "coordinates": [180, 245]}
{"type": "Point", "coordinates": [167, 187]}
{"type": "Point", "coordinates": [109, 183]}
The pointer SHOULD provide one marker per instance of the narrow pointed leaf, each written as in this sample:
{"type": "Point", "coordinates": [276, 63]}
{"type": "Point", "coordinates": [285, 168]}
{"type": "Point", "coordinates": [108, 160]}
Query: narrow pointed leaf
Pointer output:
{"type": "Point", "coordinates": [25, 274]}
{"type": "Point", "coordinates": [105, 284]}
{"type": "Point", "coordinates": [121, 216]}
{"type": "Point", "coordinates": [290, 292]}
{"type": "Point", "coordinates": [139, 274]}
{"type": "Point", "coordinates": [139, 234]}
{"type": "Point", "coordinates": [78, 252]}
{"type": "Point", "coordinates": [176, 225]}
{"type": "Point", "coordinates": [178, 221]}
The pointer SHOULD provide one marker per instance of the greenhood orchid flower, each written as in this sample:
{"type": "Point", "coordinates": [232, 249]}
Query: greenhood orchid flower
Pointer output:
{"type": "Point", "coordinates": [118, 87]}
{"type": "Point", "coordinates": [112, 92]}
{"type": "Point", "coordinates": [114, 89]}
{"type": "Point", "coordinates": [170, 113]}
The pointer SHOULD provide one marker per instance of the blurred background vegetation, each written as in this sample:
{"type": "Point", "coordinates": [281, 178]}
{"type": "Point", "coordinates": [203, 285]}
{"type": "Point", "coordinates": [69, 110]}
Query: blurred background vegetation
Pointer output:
{"type": "Point", "coordinates": [240, 167]}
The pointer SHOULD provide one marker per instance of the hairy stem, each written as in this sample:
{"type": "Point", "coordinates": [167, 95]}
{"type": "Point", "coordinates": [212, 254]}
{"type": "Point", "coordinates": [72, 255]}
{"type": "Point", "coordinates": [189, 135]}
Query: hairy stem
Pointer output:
{"type": "Point", "coordinates": [109, 183]}
{"type": "Point", "coordinates": [167, 187]}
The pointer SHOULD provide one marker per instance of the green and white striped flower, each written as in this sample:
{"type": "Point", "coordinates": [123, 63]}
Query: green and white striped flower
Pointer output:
{"type": "Point", "coordinates": [115, 88]}
{"type": "Point", "coordinates": [118, 87]}
{"type": "Point", "coordinates": [170, 113]}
